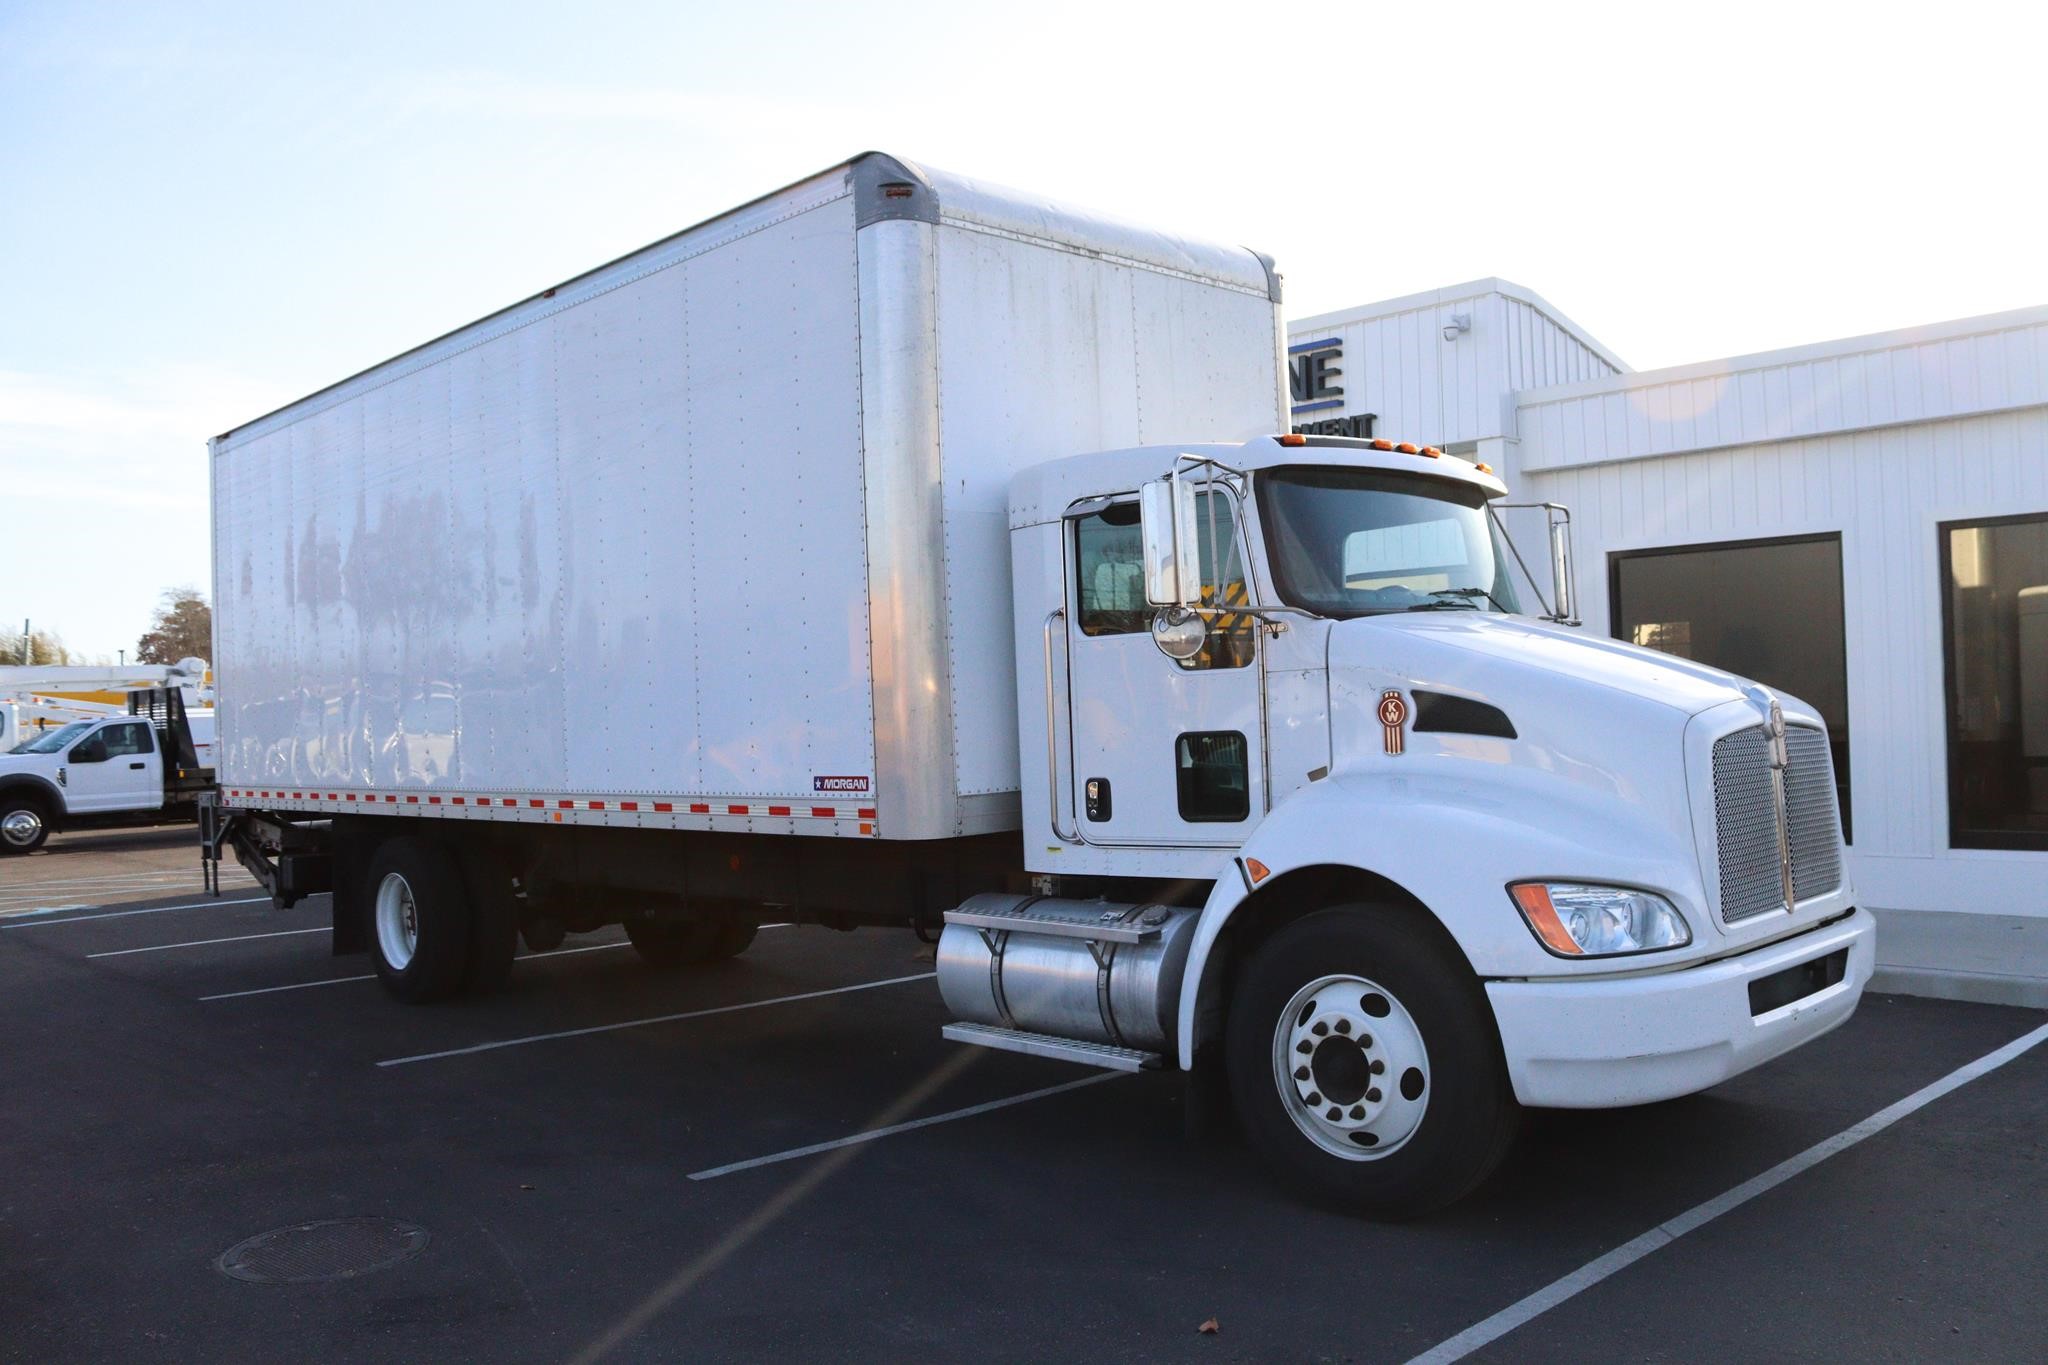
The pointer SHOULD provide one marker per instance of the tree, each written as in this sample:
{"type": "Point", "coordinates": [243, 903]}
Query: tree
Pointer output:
{"type": "Point", "coordinates": [44, 647]}
{"type": "Point", "coordinates": [183, 629]}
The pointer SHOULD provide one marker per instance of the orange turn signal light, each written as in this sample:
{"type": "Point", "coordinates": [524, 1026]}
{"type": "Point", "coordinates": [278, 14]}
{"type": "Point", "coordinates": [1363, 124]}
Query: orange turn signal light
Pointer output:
{"type": "Point", "coordinates": [1293, 438]}
{"type": "Point", "coordinates": [1533, 900]}
{"type": "Point", "coordinates": [1258, 870]}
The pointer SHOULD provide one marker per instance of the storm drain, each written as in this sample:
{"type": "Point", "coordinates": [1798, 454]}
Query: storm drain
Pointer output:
{"type": "Point", "coordinates": [332, 1249]}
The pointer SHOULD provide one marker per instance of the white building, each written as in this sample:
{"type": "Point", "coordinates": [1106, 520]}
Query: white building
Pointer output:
{"type": "Point", "coordinates": [1862, 523]}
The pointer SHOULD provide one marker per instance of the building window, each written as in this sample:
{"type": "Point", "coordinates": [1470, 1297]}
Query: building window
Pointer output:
{"type": "Point", "coordinates": [1770, 610]}
{"type": "Point", "coordinates": [1994, 636]}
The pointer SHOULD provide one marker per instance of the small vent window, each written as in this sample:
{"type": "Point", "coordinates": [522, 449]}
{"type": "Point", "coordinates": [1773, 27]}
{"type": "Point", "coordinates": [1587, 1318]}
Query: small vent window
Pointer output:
{"type": "Point", "coordinates": [1213, 774]}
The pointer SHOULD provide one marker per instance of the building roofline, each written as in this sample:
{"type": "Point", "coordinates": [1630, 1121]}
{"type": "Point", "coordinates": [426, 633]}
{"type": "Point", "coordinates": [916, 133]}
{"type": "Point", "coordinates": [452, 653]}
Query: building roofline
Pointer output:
{"type": "Point", "coordinates": [1983, 324]}
{"type": "Point", "coordinates": [1470, 289]}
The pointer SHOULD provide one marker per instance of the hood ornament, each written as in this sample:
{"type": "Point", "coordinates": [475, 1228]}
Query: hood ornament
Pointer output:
{"type": "Point", "coordinates": [1780, 757]}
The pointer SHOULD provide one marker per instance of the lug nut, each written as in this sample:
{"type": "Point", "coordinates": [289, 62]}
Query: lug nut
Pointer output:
{"type": "Point", "coordinates": [1320, 1029]}
{"type": "Point", "coordinates": [1314, 1098]}
{"type": "Point", "coordinates": [1358, 1111]}
{"type": "Point", "coordinates": [1301, 1073]}
{"type": "Point", "coordinates": [1377, 1067]}
{"type": "Point", "coordinates": [1335, 1113]}
{"type": "Point", "coordinates": [1343, 1026]}
{"type": "Point", "coordinates": [1304, 1046]}
{"type": "Point", "coordinates": [1373, 1094]}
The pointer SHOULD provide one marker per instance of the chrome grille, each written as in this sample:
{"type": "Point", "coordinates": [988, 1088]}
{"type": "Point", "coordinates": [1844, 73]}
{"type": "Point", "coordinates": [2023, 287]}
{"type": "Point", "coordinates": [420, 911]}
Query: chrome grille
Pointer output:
{"type": "Point", "coordinates": [1746, 823]}
{"type": "Point", "coordinates": [1811, 814]}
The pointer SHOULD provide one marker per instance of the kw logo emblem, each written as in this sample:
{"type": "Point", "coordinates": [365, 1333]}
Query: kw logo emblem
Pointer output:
{"type": "Point", "coordinates": [1393, 715]}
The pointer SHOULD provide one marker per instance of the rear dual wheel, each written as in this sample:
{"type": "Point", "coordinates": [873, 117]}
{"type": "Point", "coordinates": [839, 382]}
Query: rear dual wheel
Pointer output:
{"type": "Point", "coordinates": [1365, 1065]}
{"type": "Point", "coordinates": [437, 928]}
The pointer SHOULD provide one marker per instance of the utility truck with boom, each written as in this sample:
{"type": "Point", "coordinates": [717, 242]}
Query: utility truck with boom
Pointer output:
{"type": "Point", "coordinates": [1220, 748]}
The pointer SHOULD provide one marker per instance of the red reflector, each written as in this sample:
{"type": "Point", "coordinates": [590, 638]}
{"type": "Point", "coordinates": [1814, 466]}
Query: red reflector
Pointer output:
{"type": "Point", "coordinates": [566, 805]}
{"type": "Point", "coordinates": [664, 806]}
{"type": "Point", "coordinates": [778, 810]}
{"type": "Point", "coordinates": [699, 808]}
{"type": "Point", "coordinates": [735, 810]}
{"type": "Point", "coordinates": [332, 797]}
{"type": "Point", "coordinates": [824, 812]}
{"type": "Point", "coordinates": [867, 813]}
{"type": "Point", "coordinates": [458, 800]}
{"type": "Point", "coordinates": [412, 800]}
{"type": "Point", "coordinates": [390, 800]}
{"type": "Point", "coordinates": [534, 803]}
{"type": "Point", "coordinates": [597, 805]}
{"type": "Point", "coordinates": [433, 800]}
{"type": "Point", "coordinates": [629, 805]}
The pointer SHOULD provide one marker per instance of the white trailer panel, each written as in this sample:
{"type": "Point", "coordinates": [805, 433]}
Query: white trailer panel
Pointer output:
{"type": "Point", "coordinates": [713, 536]}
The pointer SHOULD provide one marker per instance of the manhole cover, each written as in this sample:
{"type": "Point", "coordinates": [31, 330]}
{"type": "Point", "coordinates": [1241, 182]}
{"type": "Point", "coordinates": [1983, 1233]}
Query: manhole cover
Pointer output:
{"type": "Point", "coordinates": [332, 1249]}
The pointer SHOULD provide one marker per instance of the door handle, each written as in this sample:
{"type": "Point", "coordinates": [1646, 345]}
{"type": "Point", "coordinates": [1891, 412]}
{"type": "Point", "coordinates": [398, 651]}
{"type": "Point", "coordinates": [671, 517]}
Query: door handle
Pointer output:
{"type": "Point", "coordinates": [137, 765]}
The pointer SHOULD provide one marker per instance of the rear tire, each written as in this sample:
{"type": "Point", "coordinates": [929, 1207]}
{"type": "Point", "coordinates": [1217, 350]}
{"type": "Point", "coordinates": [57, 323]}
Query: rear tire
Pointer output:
{"type": "Point", "coordinates": [1365, 1066]}
{"type": "Point", "coordinates": [421, 920]}
{"type": "Point", "coordinates": [23, 824]}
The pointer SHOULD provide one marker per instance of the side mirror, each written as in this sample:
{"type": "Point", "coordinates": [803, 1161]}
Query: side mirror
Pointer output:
{"type": "Point", "coordinates": [1561, 585]}
{"type": "Point", "coordinates": [1173, 561]}
{"type": "Point", "coordinates": [93, 750]}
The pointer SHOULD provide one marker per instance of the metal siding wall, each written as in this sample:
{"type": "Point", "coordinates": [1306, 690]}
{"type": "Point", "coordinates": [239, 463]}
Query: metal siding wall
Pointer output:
{"type": "Point", "coordinates": [1885, 491]}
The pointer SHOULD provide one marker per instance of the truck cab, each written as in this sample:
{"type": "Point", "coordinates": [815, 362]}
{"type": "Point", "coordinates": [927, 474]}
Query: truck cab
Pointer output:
{"type": "Point", "coordinates": [124, 769]}
{"type": "Point", "coordinates": [1448, 856]}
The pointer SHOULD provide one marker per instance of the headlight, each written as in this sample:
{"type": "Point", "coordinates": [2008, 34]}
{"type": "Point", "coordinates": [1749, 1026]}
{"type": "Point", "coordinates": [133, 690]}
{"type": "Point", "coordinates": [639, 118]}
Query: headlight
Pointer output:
{"type": "Point", "coordinates": [1573, 920]}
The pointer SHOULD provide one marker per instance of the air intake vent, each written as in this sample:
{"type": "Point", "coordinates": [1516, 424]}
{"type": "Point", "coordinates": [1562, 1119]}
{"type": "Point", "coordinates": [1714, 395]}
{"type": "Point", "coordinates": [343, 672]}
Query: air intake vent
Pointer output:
{"type": "Point", "coordinates": [1442, 713]}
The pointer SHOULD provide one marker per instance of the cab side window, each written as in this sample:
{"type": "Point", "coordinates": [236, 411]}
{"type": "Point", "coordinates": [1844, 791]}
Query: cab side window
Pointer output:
{"type": "Point", "coordinates": [131, 738]}
{"type": "Point", "coordinates": [1109, 570]}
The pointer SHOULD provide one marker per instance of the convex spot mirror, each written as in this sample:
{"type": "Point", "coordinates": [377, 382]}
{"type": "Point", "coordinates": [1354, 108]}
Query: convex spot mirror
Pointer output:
{"type": "Point", "coordinates": [1179, 633]}
{"type": "Point", "coordinates": [1173, 563]}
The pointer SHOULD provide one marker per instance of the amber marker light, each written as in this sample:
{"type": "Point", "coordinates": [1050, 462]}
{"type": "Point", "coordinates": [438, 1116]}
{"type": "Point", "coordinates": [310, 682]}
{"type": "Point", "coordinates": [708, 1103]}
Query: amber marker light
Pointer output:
{"type": "Point", "coordinates": [1381, 443]}
{"type": "Point", "coordinates": [1258, 870]}
{"type": "Point", "coordinates": [1293, 438]}
{"type": "Point", "coordinates": [1533, 899]}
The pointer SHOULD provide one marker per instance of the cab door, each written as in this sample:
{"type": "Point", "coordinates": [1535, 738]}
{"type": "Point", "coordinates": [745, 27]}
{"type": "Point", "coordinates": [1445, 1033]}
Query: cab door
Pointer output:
{"type": "Point", "coordinates": [1165, 753]}
{"type": "Point", "coordinates": [116, 767]}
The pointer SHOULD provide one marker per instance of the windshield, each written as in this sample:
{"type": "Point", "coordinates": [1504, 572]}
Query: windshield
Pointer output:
{"type": "Point", "coordinates": [1357, 542]}
{"type": "Point", "coordinates": [50, 741]}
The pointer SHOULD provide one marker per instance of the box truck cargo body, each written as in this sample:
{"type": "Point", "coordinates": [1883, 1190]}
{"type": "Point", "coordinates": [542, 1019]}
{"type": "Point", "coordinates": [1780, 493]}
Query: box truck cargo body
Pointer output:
{"type": "Point", "coordinates": [900, 550]}
{"type": "Point", "coordinates": [713, 537]}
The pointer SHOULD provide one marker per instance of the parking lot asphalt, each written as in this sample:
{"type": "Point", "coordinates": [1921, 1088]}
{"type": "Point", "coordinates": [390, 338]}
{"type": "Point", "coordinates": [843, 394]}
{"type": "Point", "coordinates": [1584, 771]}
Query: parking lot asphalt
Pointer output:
{"type": "Point", "coordinates": [779, 1156]}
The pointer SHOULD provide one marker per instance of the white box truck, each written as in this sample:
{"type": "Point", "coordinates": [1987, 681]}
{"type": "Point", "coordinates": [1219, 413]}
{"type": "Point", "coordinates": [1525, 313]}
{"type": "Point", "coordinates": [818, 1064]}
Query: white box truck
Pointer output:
{"type": "Point", "coordinates": [1220, 748]}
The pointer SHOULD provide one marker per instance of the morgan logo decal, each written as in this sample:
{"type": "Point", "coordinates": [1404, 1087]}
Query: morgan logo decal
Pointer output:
{"type": "Point", "coordinates": [839, 784]}
{"type": "Point", "coordinates": [1393, 715]}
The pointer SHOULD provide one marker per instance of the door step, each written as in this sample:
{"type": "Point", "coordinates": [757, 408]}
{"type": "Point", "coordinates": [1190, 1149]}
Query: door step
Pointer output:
{"type": "Point", "coordinates": [1115, 924]}
{"type": "Point", "coordinates": [1104, 1055]}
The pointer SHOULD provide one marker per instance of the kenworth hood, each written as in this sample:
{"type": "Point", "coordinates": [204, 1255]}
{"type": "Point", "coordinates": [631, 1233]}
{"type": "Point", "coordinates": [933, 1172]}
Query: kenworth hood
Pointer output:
{"type": "Point", "coordinates": [1598, 726]}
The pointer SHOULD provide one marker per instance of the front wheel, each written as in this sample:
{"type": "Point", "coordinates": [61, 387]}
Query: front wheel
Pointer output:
{"type": "Point", "coordinates": [23, 826]}
{"type": "Point", "coordinates": [1364, 1063]}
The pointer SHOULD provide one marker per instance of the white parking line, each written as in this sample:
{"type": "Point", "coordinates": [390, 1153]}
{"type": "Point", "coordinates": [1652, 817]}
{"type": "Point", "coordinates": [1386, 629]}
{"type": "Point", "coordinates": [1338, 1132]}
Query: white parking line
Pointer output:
{"type": "Point", "coordinates": [1664, 1234]}
{"type": "Point", "coordinates": [205, 942]}
{"type": "Point", "coordinates": [344, 980]}
{"type": "Point", "coordinates": [657, 1019]}
{"type": "Point", "coordinates": [870, 1134]}
{"type": "Point", "coordinates": [27, 920]}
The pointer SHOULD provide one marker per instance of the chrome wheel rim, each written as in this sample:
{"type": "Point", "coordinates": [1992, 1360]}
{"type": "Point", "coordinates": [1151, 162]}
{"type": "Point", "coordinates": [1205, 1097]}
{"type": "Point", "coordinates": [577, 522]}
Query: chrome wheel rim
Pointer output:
{"type": "Point", "coordinates": [21, 828]}
{"type": "Point", "coordinates": [398, 921]}
{"type": "Point", "coordinates": [1351, 1068]}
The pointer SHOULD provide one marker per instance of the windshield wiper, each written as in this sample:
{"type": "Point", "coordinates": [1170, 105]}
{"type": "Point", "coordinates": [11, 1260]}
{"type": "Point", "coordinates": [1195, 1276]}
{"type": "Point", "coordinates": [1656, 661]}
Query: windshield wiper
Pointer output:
{"type": "Point", "coordinates": [1464, 596]}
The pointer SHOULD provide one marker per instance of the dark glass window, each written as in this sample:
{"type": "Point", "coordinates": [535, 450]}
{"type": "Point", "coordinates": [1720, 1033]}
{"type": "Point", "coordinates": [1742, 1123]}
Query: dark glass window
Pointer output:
{"type": "Point", "coordinates": [127, 739]}
{"type": "Point", "coordinates": [1994, 579]}
{"type": "Point", "coordinates": [1213, 773]}
{"type": "Point", "coordinates": [1109, 571]}
{"type": "Point", "coordinates": [1768, 610]}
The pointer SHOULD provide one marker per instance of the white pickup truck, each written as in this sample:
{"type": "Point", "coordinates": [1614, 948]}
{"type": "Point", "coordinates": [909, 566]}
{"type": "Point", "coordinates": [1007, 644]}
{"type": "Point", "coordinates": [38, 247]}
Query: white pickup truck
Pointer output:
{"type": "Point", "coordinates": [145, 767]}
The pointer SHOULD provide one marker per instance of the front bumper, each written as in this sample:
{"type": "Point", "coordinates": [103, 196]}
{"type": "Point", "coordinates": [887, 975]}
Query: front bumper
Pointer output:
{"type": "Point", "coordinates": [1634, 1040]}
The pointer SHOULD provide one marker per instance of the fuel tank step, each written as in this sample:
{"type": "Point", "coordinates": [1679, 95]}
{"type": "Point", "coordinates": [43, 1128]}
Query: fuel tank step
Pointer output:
{"type": "Point", "coordinates": [1104, 1055]}
{"type": "Point", "coordinates": [1110, 924]}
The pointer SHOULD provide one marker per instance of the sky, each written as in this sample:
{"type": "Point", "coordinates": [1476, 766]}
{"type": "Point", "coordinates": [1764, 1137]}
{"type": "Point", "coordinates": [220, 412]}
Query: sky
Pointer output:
{"type": "Point", "coordinates": [209, 209]}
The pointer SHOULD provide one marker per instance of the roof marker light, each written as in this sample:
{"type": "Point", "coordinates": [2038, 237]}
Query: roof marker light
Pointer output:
{"type": "Point", "coordinates": [1292, 438]}
{"type": "Point", "coordinates": [1483, 468]}
{"type": "Point", "coordinates": [1381, 443]}
{"type": "Point", "coordinates": [1430, 451]}
{"type": "Point", "coordinates": [1407, 448]}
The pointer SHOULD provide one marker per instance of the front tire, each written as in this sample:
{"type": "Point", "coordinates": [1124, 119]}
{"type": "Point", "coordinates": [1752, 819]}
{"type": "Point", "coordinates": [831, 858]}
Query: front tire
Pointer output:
{"type": "Point", "coordinates": [421, 920]}
{"type": "Point", "coordinates": [1365, 1065]}
{"type": "Point", "coordinates": [23, 825]}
